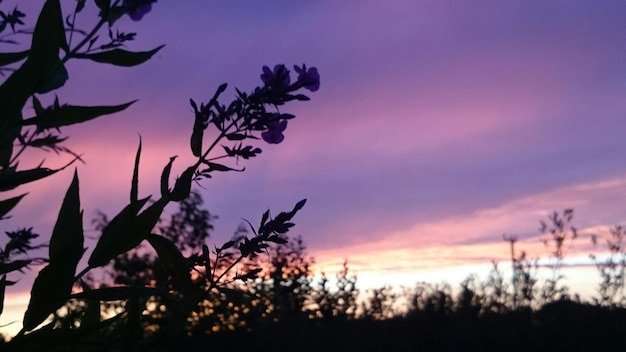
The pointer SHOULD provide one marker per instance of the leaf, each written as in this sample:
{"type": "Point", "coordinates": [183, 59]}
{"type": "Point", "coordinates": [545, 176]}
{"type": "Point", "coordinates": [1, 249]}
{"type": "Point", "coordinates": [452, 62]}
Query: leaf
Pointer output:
{"type": "Point", "coordinates": [10, 179]}
{"type": "Point", "coordinates": [134, 185]}
{"type": "Point", "coordinates": [145, 222]}
{"type": "Point", "coordinates": [227, 245]}
{"type": "Point", "coordinates": [10, 58]}
{"type": "Point", "coordinates": [50, 290]}
{"type": "Point", "coordinates": [103, 5]}
{"type": "Point", "coordinates": [126, 233]}
{"type": "Point", "coordinates": [197, 135]}
{"type": "Point", "coordinates": [120, 57]}
{"type": "Point", "coordinates": [251, 275]}
{"type": "Point", "coordinates": [48, 38]}
{"type": "Point", "coordinates": [8, 204]}
{"type": "Point", "coordinates": [298, 206]}
{"type": "Point", "coordinates": [219, 167]}
{"type": "Point", "coordinates": [165, 176]}
{"type": "Point", "coordinates": [118, 227]}
{"type": "Point", "coordinates": [68, 115]}
{"type": "Point", "coordinates": [173, 259]}
{"type": "Point", "coordinates": [206, 254]}
{"type": "Point", "coordinates": [42, 63]}
{"type": "Point", "coordinates": [182, 187]}
{"type": "Point", "coordinates": [235, 136]}
{"type": "Point", "coordinates": [80, 5]}
{"type": "Point", "coordinates": [49, 141]}
{"type": "Point", "coordinates": [66, 243]}
{"type": "Point", "coordinates": [264, 218]}
{"type": "Point", "coordinates": [49, 35]}
{"type": "Point", "coordinates": [277, 239]}
{"type": "Point", "coordinates": [3, 285]}
{"type": "Point", "coordinates": [54, 283]}
{"type": "Point", "coordinates": [14, 265]}
{"type": "Point", "coordinates": [39, 109]}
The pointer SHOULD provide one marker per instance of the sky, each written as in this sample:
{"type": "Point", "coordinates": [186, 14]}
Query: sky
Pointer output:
{"type": "Point", "coordinates": [439, 126]}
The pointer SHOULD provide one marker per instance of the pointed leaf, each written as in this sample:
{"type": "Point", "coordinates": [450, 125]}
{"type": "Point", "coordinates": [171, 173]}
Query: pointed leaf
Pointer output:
{"type": "Point", "coordinates": [103, 5]}
{"type": "Point", "coordinates": [41, 64]}
{"type": "Point", "coordinates": [165, 177]}
{"type": "Point", "coordinates": [219, 167]}
{"type": "Point", "coordinates": [182, 187]}
{"type": "Point", "coordinates": [227, 245]}
{"type": "Point", "coordinates": [206, 254]}
{"type": "Point", "coordinates": [298, 206]}
{"type": "Point", "coordinates": [3, 285]}
{"type": "Point", "coordinates": [10, 58]}
{"type": "Point", "coordinates": [134, 186]}
{"type": "Point", "coordinates": [49, 35]}
{"type": "Point", "coordinates": [50, 290]}
{"type": "Point", "coordinates": [124, 236]}
{"type": "Point", "coordinates": [116, 229]}
{"type": "Point", "coordinates": [120, 57]}
{"type": "Point", "coordinates": [10, 179]}
{"type": "Point", "coordinates": [197, 135]}
{"type": "Point", "coordinates": [66, 243]}
{"type": "Point", "coordinates": [145, 222]}
{"type": "Point", "coordinates": [39, 109]}
{"type": "Point", "coordinates": [173, 259]}
{"type": "Point", "coordinates": [235, 136]}
{"type": "Point", "coordinates": [14, 265]}
{"type": "Point", "coordinates": [69, 115]}
{"type": "Point", "coordinates": [8, 204]}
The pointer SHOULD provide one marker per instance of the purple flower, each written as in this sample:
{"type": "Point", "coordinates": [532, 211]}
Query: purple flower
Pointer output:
{"type": "Point", "coordinates": [309, 79]}
{"type": "Point", "coordinates": [279, 78]}
{"type": "Point", "coordinates": [274, 133]}
{"type": "Point", "coordinates": [136, 9]}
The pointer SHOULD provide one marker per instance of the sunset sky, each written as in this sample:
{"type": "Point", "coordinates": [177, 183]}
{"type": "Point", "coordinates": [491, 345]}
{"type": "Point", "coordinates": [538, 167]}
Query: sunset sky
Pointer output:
{"type": "Point", "coordinates": [439, 126]}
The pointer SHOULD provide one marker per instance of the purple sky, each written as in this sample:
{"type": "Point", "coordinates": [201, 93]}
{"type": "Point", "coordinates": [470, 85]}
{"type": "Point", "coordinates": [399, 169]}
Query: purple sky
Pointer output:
{"type": "Point", "coordinates": [438, 127]}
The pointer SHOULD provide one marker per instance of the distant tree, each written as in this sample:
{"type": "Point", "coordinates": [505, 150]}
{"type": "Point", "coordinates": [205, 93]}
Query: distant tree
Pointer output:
{"type": "Point", "coordinates": [379, 303]}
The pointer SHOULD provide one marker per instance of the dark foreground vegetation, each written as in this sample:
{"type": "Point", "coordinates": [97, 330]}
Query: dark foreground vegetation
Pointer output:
{"type": "Point", "coordinates": [284, 308]}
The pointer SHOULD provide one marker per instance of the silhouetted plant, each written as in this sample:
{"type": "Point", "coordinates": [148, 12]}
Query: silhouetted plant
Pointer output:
{"type": "Point", "coordinates": [469, 302]}
{"type": "Point", "coordinates": [379, 303]}
{"type": "Point", "coordinates": [523, 277]}
{"type": "Point", "coordinates": [340, 303]}
{"type": "Point", "coordinates": [496, 298]}
{"type": "Point", "coordinates": [561, 235]}
{"type": "Point", "coordinates": [246, 117]}
{"type": "Point", "coordinates": [611, 268]}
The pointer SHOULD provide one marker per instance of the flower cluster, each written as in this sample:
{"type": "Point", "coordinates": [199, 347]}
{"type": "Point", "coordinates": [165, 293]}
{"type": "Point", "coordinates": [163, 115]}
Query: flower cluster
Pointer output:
{"type": "Point", "coordinates": [136, 9]}
{"type": "Point", "coordinates": [274, 132]}
{"type": "Point", "coordinates": [279, 79]}
{"type": "Point", "coordinates": [309, 79]}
